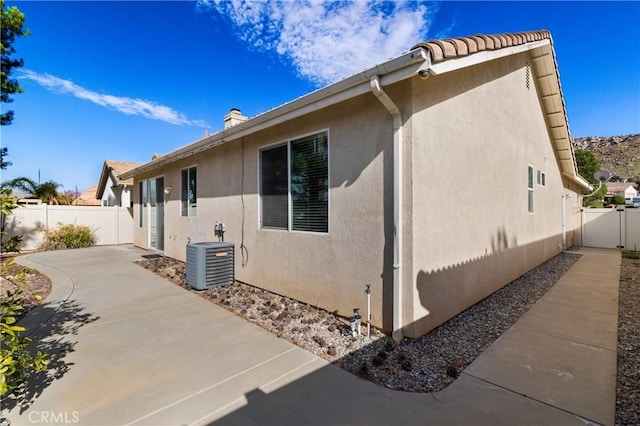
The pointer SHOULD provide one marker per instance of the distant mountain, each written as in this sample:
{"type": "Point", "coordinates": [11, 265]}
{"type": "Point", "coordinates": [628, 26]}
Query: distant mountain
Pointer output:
{"type": "Point", "coordinates": [618, 154]}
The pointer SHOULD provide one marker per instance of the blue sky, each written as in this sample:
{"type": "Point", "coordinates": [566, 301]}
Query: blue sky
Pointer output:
{"type": "Point", "coordinates": [124, 80]}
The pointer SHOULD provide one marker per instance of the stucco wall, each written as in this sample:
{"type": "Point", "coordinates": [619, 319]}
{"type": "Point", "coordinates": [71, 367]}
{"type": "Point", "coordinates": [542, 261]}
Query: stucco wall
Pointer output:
{"type": "Point", "coordinates": [471, 132]}
{"type": "Point", "coordinates": [108, 197]}
{"type": "Point", "coordinates": [327, 270]}
{"type": "Point", "coordinates": [479, 129]}
{"type": "Point", "coordinates": [115, 195]}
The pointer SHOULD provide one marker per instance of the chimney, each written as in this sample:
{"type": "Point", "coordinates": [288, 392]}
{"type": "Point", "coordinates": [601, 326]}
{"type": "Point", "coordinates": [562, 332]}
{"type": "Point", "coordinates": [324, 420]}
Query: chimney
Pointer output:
{"type": "Point", "coordinates": [234, 117]}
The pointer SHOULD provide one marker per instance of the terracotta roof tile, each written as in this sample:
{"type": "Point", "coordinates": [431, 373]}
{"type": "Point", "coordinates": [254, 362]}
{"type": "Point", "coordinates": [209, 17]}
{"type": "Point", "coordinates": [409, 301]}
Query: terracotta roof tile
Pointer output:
{"type": "Point", "coordinates": [119, 167]}
{"type": "Point", "coordinates": [441, 50]}
{"type": "Point", "coordinates": [472, 45]}
{"type": "Point", "coordinates": [88, 197]}
{"type": "Point", "coordinates": [459, 45]}
{"type": "Point", "coordinates": [480, 43]}
{"type": "Point", "coordinates": [114, 168]}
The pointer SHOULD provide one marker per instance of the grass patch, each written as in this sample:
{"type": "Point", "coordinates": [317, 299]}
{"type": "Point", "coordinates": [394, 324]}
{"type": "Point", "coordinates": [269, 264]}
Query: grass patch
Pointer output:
{"type": "Point", "coordinates": [630, 254]}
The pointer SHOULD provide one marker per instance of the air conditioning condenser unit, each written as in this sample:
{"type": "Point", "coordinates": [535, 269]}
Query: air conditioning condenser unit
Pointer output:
{"type": "Point", "coordinates": [210, 264]}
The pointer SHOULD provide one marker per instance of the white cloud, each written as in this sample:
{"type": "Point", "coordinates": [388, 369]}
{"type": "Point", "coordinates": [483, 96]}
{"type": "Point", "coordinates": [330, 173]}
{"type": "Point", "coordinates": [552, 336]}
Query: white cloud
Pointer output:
{"type": "Point", "coordinates": [328, 40]}
{"type": "Point", "coordinates": [125, 105]}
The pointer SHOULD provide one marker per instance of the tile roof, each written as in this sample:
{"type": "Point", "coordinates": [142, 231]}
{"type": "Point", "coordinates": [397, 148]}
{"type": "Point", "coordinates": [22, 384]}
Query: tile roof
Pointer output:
{"type": "Point", "coordinates": [119, 167]}
{"type": "Point", "coordinates": [88, 197]}
{"type": "Point", "coordinates": [440, 56]}
{"type": "Point", "coordinates": [441, 50]}
{"type": "Point", "coordinates": [619, 186]}
{"type": "Point", "coordinates": [115, 168]}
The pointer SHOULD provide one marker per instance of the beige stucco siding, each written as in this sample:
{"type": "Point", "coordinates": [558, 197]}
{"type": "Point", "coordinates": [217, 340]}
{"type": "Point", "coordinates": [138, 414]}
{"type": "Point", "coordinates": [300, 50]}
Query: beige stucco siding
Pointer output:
{"type": "Point", "coordinates": [468, 138]}
{"type": "Point", "coordinates": [476, 131]}
{"type": "Point", "coordinates": [328, 270]}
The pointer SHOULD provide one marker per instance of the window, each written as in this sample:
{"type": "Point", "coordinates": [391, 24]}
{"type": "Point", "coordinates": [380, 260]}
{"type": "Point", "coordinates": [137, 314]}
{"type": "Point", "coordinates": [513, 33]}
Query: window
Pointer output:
{"type": "Point", "coordinates": [142, 199]}
{"type": "Point", "coordinates": [188, 191]}
{"type": "Point", "coordinates": [542, 178]}
{"type": "Point", "coordinates": [530, 189]}
{"type": "Point", "coordinates": [274, 185]}
{"type": "Point", "coordinates": [294, 185]}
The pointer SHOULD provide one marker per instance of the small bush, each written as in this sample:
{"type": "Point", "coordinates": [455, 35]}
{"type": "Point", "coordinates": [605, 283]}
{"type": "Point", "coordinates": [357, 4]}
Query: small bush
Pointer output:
{"type": "Point", "coordinates": [13, 244]}
{"type": "Point", "coordinates": [630, 254]}
{"type": "Point", "coordinates": [618, 200]}
{"type": "Point", "coordinates": [68, 237]}
{"type": "Point", "coordinates": [16, 362]}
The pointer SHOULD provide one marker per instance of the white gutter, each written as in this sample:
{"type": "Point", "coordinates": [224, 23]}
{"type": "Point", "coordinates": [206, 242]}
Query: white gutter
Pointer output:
{"type": "Point", "coordinates": [392, 71]}
{"type": "Point", "coordinates": [393, 109]}
{"type": "Point", "coordinates": [578, 180]}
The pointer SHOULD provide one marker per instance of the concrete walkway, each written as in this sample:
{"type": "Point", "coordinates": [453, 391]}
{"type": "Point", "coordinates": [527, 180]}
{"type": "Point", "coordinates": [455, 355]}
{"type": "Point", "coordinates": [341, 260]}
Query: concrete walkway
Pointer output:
{"type": "Point", "coordinates": [132, 348]}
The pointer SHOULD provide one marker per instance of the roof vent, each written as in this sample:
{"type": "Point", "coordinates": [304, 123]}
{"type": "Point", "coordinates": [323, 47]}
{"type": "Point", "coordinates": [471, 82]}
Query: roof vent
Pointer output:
{"type": "Point", "coordinates": [234, 117]}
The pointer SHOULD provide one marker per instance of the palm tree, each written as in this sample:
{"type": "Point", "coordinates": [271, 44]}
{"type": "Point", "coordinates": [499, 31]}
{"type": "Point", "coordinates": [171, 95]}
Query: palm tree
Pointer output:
{"type": "Point", "coordinates": [46, 191]}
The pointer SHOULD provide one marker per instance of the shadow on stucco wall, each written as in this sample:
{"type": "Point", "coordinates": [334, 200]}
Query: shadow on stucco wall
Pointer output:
{"type": "Point", "coordinates": [445, 292]}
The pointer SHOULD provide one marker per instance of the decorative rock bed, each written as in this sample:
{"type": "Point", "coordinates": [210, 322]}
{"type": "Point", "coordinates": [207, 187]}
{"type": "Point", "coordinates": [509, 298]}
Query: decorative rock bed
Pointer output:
{"type": "Point", "coordinates": [427, 364]}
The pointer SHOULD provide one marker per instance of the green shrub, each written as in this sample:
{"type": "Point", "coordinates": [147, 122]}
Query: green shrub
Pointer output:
{"type": "Point", "coordinates": [16, 363]}
{"type": "Point", "coordinates": [618, 200]}
{"type": "Point", "coordinates": [68, 237]}
{"type": "Point", "coordinates": [13, 244]}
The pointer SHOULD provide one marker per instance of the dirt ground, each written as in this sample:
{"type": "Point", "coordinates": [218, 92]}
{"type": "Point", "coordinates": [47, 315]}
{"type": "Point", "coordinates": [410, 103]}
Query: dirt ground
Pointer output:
{"type": "Point", "coordinates": [35, 285]}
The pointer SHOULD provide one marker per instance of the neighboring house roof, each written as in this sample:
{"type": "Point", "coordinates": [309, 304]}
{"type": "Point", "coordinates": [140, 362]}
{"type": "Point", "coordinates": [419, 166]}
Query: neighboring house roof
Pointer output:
{"type": "Point", "coordinates": [88, 197]}
{"type": "Point", "coordinates": [619, 188]}
{"type": "Point", "coordinates": [113, 169]}
{"type": "Point", "coordinates": [431, 57]}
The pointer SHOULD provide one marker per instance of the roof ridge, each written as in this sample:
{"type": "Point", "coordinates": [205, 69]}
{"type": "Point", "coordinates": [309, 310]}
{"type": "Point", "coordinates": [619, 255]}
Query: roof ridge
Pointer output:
{"type": "Point", "coordinates": [449, 48]}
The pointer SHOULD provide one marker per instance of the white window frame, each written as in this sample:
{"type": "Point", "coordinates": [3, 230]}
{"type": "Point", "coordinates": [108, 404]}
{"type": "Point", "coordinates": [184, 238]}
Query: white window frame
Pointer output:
{"type": "Point", "coordinates": [143, 197]}
{"type": "Point", "coordinates": [541, 178]}
{"type": "Point", "coordinates": [190, 212]}
{"type": "Point", "coordinates": [287, 142]}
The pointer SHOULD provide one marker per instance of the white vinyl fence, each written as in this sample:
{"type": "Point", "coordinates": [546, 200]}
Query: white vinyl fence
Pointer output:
{"type": "Point", "coordinates": [611, 228]}
{"type": "Point", "coordinates": [112, 225]}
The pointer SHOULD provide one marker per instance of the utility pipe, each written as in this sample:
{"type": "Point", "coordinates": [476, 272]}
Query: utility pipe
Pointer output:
{"type": "Point", "coordinates": [564, 220]}
{"type": "Point", "coordinates": [564, 225]}
{"type": "Point", "coordinates": [393, 109]}
{"type": "Point", "coordinates": [368, 293]}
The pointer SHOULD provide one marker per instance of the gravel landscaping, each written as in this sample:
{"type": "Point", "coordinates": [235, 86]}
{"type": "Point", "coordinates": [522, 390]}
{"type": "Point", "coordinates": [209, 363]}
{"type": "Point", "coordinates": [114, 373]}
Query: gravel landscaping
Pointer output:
{"type": "Point", "coordinates": [628, 389]}
{"type": "Point", "coordinates": [428, 364]}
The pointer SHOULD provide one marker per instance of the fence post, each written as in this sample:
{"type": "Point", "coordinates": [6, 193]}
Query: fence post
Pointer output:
{"type": "Point", "coordinates": [117, 229]}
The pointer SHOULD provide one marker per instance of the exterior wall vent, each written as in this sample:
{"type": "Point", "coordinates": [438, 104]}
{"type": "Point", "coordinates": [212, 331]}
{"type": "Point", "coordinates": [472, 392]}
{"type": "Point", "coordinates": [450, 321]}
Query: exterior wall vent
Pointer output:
{"type": "Point", "coordinates": [210, 264]}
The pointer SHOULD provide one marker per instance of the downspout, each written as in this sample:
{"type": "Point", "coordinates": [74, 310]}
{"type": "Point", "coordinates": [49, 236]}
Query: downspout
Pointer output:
{"type": "Point", "coordinates": [393, 109]}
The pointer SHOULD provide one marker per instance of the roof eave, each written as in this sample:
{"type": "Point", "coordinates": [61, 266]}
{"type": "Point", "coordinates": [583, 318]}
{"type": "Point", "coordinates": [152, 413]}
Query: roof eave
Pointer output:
{"type": "Point", "coordinates": [484, 56]}
{"type": "Point", "coordinates": [579, 180]}
{"type": "Point", "coordinates": [102, 183]}
{"type": "Point", "coordinates": [392, 71]}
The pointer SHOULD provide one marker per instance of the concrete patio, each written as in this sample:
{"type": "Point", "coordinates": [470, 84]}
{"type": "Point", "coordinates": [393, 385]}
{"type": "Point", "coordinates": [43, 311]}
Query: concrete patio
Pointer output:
{"type": "Point", "coordinates": [133, 348]}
